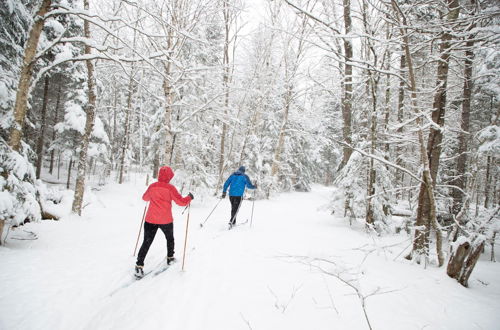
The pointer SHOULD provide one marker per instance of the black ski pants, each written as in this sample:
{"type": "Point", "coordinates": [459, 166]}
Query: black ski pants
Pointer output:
{"type": "Point", "coordinates": [235, 205]}
{"type": "Point", "coordinates": [150, 230]}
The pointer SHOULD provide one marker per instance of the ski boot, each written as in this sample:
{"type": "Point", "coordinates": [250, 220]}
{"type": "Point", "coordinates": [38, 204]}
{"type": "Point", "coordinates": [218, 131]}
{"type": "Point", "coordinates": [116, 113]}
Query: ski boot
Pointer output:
{"type": "Point", "coordinates": [139, 272]}
{"type": "Point", "coordinates": [171, 260]}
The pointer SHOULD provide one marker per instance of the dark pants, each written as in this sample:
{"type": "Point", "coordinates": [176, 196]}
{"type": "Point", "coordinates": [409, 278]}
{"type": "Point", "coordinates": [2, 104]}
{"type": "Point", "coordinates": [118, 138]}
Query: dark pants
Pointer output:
{"type": "Point", "coordinates": [235, 205]}
{"type": "Point", "coordinates": [150, 230]}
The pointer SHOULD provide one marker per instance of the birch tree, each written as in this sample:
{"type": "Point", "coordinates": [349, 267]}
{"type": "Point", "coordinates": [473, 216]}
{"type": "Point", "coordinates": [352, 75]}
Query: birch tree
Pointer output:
{"type": "Point", "coordinates": [89, 122]}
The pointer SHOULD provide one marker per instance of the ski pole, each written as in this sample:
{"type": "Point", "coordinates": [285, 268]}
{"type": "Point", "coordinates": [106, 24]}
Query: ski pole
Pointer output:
{"type": "Point", "coordinates": [201, 224]}
{"type": "Point", "coordinates": [140, 228]}
{"type": "Point", "coordinates": [184, 210]}
{"type": "Point", "coordinates": [253, 204]}
{"type": "Point", "coordinates": [185, 238]}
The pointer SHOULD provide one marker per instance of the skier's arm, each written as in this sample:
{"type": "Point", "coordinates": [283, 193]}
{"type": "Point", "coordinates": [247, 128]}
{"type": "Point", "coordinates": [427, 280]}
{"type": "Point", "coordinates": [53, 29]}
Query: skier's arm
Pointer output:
{"type": "Point", "coordinates": [249, 183]}
{"type": "Point", "coordinates": [227, 183]}
{"type": "Point", "coordinates": [146, 196]}
{"type": "Point", "coordinates": [178, 199]}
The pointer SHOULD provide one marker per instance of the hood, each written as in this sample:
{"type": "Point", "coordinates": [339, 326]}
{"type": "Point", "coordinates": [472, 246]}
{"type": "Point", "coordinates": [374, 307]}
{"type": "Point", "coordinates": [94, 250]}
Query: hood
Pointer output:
{"type": "Point", "coordinates": [165, 174]}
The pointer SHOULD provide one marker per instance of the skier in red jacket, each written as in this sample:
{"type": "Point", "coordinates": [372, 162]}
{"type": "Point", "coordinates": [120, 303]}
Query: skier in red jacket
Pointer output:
{"type": "Point", "coordinates": [160, 195]}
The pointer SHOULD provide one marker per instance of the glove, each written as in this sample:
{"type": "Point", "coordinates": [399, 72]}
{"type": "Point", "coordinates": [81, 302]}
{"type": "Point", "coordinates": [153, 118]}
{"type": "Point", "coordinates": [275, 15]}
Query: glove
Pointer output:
{"type": "Point", "coordinates": [255, 185]}
{"type": "Point", "coordinates": [224, 194]}
{"type": "Point", "coordinates": [191, 195]}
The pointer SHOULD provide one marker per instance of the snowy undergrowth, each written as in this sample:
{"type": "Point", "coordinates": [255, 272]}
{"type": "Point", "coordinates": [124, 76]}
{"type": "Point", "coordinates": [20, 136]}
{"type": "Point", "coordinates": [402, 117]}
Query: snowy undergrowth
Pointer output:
{"type": "Point", "coordinates": [296, 267]}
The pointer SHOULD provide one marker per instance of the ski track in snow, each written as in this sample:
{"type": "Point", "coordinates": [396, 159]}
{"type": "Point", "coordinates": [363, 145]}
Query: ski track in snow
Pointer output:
{"type": "Point", "coordinates": [258, 277]}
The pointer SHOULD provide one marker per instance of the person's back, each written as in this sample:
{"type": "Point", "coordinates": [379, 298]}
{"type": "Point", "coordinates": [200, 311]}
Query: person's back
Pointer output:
{"type": "Point", "coordinates": [160, 195]}
{"type": "Point", "coordinates": [237, 182]}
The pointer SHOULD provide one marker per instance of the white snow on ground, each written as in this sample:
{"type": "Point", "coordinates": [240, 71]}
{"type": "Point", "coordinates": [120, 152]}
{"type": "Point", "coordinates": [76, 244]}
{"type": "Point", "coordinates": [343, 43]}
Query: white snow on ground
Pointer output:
{"type": "Point", "coordinates": [258, 277]}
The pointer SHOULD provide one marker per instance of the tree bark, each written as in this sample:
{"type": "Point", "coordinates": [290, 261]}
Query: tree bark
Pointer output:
{"type": "Point", "coordinates": [23, 87]}
{"type": "Point", "coordinates": [89, 123]}
{"type": "Point", "coordinates": [281, 136]}
{"type": "Point", "coordinates": [126, 133]}
{"type": "Point", "coordinates": [463, 260]}
{"type": "Point", "coordinates": [372, 89]}
{"type": "Point", "coordinates": [56, 115]}
{"type": "Point", "coordinates": [420, 241]}
{"type": "Point", "coordinates": [463, 140]}
{"type": "Point", "coordinates": [347, 97]}
{"type": "Point", "coordinates": [372, 174]}
{"type": "Point", "coordinates": [169, 99]}
{"type": "Point", "coordinates": [426, 209]}
{"type": "Point", "coordinates": [400, 177]}
{"type": "Point", "coordinates": [487, 186]}
{"type": "Point", "coordinates": [2, 224]}
{"type": "Point", "coordinates": [439, 104]}
{"type": "Point", "coordinates": [70, 166]}
{"type": "Point", "coordinates": [225, 80]}
{"type": "Point", "coordinates": [41, 133]}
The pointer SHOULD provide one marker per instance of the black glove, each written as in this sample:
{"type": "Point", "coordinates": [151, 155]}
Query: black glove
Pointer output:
{"type": "Point", "coordinates": [255, 185]}
{"type": "Point", "coordinates": [191, 195]}
{"type": "Point", "coordinates": [224, 195]}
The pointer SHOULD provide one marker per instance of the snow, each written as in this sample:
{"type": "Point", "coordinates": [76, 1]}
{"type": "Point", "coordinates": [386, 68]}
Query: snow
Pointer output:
{"type": "Point", "coordinates": [266, 276]}
{"type": "Point", "coordinates": [10, 6]}
{"type": "Point", "coordinates": [65, 54]}
{"type": "Point", "coordinates": [490, 139]}
{"type": "Point", "coordinates": [74, 118]}
{"type": "Point", "coordinates": [99, 131]}
{"type": "Point", "coordinates": [55, 25]}
{"type": "Point", "coordinates": [4, 94]}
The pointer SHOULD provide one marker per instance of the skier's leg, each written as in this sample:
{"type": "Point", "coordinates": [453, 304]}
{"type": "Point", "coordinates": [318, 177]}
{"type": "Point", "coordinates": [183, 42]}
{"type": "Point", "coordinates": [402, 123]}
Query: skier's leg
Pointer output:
{"type": "Point", "coordinates": [168, 230]}
{"type": "Point", "coordinates": [233, 209]}
{"type": "Point", "coordinates": [235, 204]}
{"type": "Point", "coordinates": [149, 235]}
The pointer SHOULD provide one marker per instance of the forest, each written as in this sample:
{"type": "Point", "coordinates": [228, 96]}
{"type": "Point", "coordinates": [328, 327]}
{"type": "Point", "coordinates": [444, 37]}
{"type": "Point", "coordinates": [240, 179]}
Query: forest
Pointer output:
{"type": "Point", "coordinates": [394, 102]}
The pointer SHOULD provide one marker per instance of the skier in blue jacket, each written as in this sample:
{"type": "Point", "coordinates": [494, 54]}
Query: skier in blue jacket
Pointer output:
{"type": "Point", "coordinates": [236, 184]}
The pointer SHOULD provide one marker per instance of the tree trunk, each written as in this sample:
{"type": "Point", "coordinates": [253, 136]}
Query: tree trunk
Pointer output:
{"type": "Point", "coordinates": [130, 94]}
{"type": "Point", "coordinates": [70, 166]}
{"type": "Point", "coordinates": [169, 98]}
{"type": "Point", "coordinates": [89, 123]}
{"type": "Point", "coordinates": [2, 224]}
{"type": "Point", "coordinates": [225, 83]}
{"type": "Point", "coordinates": [439, 105]}
{"type": "Point", "coordinates": [426, 188]}
{"type": "Point", "coordinates": [372, 174]}
{"type": "Point", "coordinates": [41, 133]}
{"type": "Point", "coordinates": [281, 136]}
{"type": "Point", "coordinates": [426, 212]}
{"type": "Point", "coordinates": [487, 186]}
{"type": "Point", "coordinates": [464, 259]}
{"type": "Point", "coordinates": [126, 134]}
{"type": "Point", "coordinates": [23, 87]}
{"type": "Point", "coordinates": [56, 115]}
{"type": "Point", "coordinates": [347, 97]}
{"type": "Point", "coordinates": [400, 177]}
{"type": "Point", "coordinates": [372, 90]}
{"type": "Point", "coordinates": [156, 165]}
{"type": "Point", "coordinates": [460, 181]}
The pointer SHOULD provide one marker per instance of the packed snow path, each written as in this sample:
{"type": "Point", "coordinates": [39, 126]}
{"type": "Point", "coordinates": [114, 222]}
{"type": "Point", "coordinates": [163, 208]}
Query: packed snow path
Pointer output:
{"type": "Point", "coordinates": [267, 276]}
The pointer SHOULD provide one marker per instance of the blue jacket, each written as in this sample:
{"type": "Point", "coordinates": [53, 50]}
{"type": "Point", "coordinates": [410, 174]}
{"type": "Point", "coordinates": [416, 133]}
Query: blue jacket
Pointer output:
{"type": "Point", "coordinates": [238, 181]}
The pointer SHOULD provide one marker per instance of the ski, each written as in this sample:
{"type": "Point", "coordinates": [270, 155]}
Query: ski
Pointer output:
{"type": "Point", "coordinates": [160, 268]}
{"type": "Point", "coordinates": [237, 224]}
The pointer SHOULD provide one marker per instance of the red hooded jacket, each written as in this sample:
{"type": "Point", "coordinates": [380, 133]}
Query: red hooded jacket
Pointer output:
{"type": "Point", "coordinates": [160, 196]}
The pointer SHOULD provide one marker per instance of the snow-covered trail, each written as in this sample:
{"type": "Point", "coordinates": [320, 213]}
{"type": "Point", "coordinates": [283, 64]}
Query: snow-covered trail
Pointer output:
{"type": "Point", "coordinates": [259, 277]}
